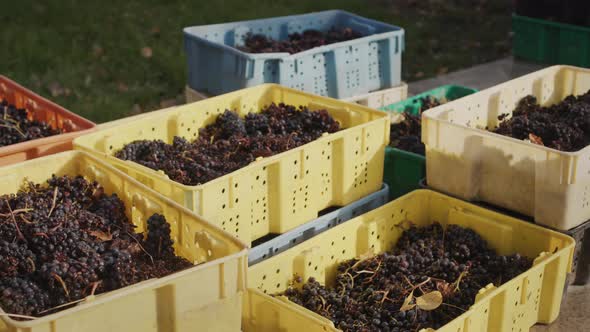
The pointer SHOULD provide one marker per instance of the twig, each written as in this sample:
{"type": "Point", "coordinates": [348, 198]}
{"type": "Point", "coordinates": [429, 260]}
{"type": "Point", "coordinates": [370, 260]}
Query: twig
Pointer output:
{"type": "Point", "coordinates": [323, 302]}
{"type": "Point", "coordinates": [385, 293]}
{"type": "Point", "coordinates": [94, 287]}
{"type": "Point", "coordinates": [370, 279]}
{"type": "Point", "coordinates": [25, 220]}
{"type": "Point", "coordinates": [20, 234]}
{"type": "Point", "coordinates": [343, 288]}
{"type": "Point", "coordinates": [32, 263]}
{"type": "Point", "coordinates": [140, 246]}
{"type": "Point", "coordinates": [15, 128]}
{"type": "Point", "coordinates": [458, 281]}
{"type": "Point", "coordinates": [453, 306]}
{"type": "Point", "coordinates": [413, 287]}
{"type": "Point", "coordinates": [54, 201]}
{"type": "Point", "coordinates": [408, 281]}
{"type": "Point", "coordinates": [351, 279]}
{"type": "Point", "coordinates": [62, 282]}
{"type": "Point", "coordinates": [14, 212]}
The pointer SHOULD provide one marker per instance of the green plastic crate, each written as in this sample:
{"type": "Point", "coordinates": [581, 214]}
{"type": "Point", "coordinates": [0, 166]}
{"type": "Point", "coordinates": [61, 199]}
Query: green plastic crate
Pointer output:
{"type": "Point", "coordinates": [403, 170]}
{"type": "Point", "coordinates": [550, 42]}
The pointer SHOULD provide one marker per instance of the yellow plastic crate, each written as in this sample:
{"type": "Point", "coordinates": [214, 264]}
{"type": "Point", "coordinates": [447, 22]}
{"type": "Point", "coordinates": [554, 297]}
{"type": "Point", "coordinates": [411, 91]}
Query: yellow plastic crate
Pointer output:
{"type": "Point", "coordinates": [534, 296]}
{"type": "Point", "coordinates": [271, 195]}
{"type": "Point", "coordinates": [208, 296]}
{"type": "Point", "coordinates": [465, 160]}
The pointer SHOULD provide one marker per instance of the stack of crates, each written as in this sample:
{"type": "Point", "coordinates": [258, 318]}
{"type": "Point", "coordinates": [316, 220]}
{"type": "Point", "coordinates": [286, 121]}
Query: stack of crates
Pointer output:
{"type": "Point", "coordinates": [404, 170]}
{"type": "Point", "coordinates": [548, 186]}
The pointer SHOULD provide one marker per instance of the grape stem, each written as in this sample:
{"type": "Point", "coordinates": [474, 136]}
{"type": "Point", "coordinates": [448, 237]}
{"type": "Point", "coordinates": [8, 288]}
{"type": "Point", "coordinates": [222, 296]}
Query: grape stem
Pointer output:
{"type": "Point", "coordinates": [54, 201]}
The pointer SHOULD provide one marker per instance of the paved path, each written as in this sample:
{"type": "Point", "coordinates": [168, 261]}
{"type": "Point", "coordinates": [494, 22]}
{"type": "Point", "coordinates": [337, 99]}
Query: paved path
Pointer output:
{"type": "Point", "coordinates": [479, 77]}
{"type": "Point", "coordinates": [574, 315]}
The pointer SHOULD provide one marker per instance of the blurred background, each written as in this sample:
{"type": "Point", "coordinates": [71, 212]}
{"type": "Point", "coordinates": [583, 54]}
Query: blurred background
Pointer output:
{"type": "Point", "coordinates": [109, 59]}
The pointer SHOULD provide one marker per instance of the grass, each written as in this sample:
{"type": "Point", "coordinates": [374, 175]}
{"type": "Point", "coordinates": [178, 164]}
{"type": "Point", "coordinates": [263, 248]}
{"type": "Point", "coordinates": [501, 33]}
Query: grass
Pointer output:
{"type": "Point", "coordinates": [87, 55]}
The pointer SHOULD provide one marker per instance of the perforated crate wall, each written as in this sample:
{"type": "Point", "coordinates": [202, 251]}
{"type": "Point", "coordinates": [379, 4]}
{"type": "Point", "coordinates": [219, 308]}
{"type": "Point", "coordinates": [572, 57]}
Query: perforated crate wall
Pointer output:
{"type": "Point", "coordinates": [338, 70]}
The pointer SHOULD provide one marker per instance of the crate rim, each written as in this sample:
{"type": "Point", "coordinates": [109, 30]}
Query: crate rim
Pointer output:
{"type": "Point", "coordinates": [429, 92]}
{"type": "Point", "coordinates": [470, 205]}
{"type": "Point", "coordinates": [551, 23]}
{"type": "Point", "coordinates": [26, 145]}
{"type": "Point", "coordinates": [105, 297]}
{"type": "Point", "coordinates": [281, 56]}
{"type": "Point", "coordinates": [259, 161]}
{"type": "Point", "coordinates": [404, 152]}
{"type": "Point", "coordinates": [434, 112]}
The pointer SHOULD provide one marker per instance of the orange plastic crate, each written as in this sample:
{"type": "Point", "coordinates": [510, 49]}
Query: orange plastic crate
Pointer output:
{"type": "Point", "coordinates": [44, 110]}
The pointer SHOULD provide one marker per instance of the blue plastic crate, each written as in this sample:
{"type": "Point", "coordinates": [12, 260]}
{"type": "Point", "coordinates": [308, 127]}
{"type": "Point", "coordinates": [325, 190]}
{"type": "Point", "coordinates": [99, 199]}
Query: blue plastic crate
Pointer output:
{"type": "Point", "coordinates": [317, 226]}
{"type": "Point", "coordinates": [338, 70]}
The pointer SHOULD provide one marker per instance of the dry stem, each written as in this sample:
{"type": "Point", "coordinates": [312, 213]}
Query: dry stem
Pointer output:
{"type": "Point", "coordinates": [54, 201]}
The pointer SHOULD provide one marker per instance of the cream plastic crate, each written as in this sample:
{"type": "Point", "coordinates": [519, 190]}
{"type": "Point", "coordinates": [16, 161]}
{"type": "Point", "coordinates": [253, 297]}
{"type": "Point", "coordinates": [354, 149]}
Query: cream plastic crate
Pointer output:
{"type": "Point", "coordinates": [465, 160]}
{"type": "Point", "coordinates": [208, 296]}
{"type": "Point", "coordinates": [532, 297]}
{"type": "Point", "coordinates": [372, 99]}
{"type": "Point", "coordinates": [271, 195]}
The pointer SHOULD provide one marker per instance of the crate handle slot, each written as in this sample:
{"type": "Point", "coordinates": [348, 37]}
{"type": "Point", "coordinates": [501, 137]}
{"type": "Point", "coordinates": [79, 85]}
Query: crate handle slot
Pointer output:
{"type": "Point", "coordinates": [208, 246]}
{"type": "Point", "coordinates": [485, 292]}
{"type": "Point", "coordinates": [146, 205]}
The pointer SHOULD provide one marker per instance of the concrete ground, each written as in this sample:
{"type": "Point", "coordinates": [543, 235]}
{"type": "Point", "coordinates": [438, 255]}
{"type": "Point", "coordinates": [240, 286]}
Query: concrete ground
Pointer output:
{"type": "Point", "coordinates": [575, 310]}
{"type": "Point", "coordinates": [574, 314]}
{"type": "Point", "coordinates": [478, 77]}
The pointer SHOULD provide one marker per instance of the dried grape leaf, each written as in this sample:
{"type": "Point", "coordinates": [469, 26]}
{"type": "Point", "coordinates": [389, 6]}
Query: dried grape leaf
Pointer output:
{"type": "Point", "coordinates": [429, 301]}
{"type": "Point", "coordinates": [535, 139]}
{"type": "Point", "coordinates": [101, 235]}
{"type": "Point", "coordinates": [408, 305]}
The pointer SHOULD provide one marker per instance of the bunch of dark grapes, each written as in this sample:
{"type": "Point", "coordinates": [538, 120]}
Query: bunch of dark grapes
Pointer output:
{"type": "Point", "coordinates": [297, 42]}
{"type": "Point", "coordinates": [158, 242]}
{"type": "Point", "coordinates": [564, 126]}
{"type": "Point", "coordinates": [68, 239]}
{"type": "Point", "coordinates": [369, 294]}
{"type": "Point", "coordinates": [15, 259]}
{"type": "Point", "coordinates": [16, 127]}
{"type": "Point", "coordinates": [231, 142]}
{"type": "Point", "coordinates": [407, 134]}
{"type": "Point", "coordinates": [23, 296]}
